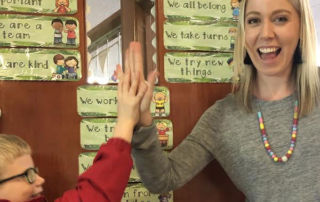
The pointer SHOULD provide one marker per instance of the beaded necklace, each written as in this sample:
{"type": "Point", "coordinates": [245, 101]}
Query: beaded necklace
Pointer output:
{"type": "Point", "coordinates": [265, 141]}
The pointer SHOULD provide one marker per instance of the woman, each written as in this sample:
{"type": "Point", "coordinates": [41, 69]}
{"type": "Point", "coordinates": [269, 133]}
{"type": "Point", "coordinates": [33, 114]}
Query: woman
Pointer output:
{"type": "Point", "coordinates": [254, 132]}
{"type": "Point", "coordinates": [104, 181]}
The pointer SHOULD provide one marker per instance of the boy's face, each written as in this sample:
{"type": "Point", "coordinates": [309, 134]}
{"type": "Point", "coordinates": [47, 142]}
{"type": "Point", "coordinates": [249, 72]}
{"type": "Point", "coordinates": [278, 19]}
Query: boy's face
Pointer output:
{"type": "Point", "coordinates": [19, 189]}
{"type": "Point", "coordinates": [235, 4]}
{"type": "Point", "coordinates": [161, 126]}
{"type": "Point", "coordinates": [57, 25]}
{"type": "Point", "coordinates": [71, 26]}
{"type": "Point", "coordinates": [160, 96]}
{"type": "Point", "coordinates": [60, 62]}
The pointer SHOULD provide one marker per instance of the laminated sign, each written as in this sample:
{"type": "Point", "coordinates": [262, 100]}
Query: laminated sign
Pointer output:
{"type": "Point", "coordinates": [198, 67]}
{"type": "Point", "coordinates": [96, 131]}
{"type": "Point", "coordinates": [202, 9]}
{"type": "Point", "coordinates": [39, 31]}
{"type": "Point", "coordinates": [40, 64]}
{"type": "Point", "coordinates": [58, 7]}
{"type": "Point", "coordinates": [101, 101]}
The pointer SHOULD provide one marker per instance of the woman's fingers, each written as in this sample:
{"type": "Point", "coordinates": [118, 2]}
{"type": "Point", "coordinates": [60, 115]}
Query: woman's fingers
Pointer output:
{"type": "Point", "coordinates": [126, 61]}
{"type": "Point", "coordinates": [151, 80]}
{"type": "Point", "coordinates": [152, 77]}
{"type": "Point", "coordinates": [138, 61]}
{"type": "Point", "coordinates": [131, 57]}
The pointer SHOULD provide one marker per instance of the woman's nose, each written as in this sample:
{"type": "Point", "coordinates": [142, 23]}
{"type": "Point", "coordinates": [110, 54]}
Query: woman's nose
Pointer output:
{"type": "Point", "coordinates": [267, 30]}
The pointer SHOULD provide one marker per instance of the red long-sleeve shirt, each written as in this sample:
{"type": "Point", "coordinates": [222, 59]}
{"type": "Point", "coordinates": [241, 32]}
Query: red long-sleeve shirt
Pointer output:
{"type": "Point", "coordinates": [106, 179]}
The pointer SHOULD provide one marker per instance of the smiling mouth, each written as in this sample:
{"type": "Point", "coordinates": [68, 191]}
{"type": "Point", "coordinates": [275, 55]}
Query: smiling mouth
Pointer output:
{"type": "Point", "coordinates": [268, 53]}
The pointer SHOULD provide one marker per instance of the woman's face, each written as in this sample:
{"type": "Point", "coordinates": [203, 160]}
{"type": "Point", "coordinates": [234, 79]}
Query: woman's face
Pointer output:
{"type": "Point", "coordinates": [18, 189]}
{"type": "Point", "coordinates": [272, 30]}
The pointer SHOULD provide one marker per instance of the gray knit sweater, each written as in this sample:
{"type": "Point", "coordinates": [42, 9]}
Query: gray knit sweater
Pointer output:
{"type": "Point", "coordinates": [230, 135]}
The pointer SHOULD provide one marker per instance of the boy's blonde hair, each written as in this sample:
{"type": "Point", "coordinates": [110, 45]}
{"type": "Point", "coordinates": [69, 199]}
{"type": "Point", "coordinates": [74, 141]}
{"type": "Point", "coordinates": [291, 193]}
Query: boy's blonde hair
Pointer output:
{"type": "Point", "coordinates": [11, 147]}
{"type": "Point", "coordinates": [305, 75]}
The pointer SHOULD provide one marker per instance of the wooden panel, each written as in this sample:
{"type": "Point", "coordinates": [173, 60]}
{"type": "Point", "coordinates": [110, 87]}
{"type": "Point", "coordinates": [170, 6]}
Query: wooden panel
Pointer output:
{"type": "Point", "coordinates": [191, 100]}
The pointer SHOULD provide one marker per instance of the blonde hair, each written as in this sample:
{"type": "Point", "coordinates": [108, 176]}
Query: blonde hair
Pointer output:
{"type": "Point", "coordinates": [305, 75]}
{"type": "Point", "coordinates": [11, 147]}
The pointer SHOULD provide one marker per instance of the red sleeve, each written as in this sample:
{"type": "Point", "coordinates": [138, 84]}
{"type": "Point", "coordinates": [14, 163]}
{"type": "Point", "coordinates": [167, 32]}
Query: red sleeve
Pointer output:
{"type": "Point", "coordinates": [107, 178]}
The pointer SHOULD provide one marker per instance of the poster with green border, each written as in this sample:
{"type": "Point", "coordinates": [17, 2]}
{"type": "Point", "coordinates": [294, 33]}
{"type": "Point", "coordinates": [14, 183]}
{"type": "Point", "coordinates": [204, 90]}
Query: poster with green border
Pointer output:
{"type": "Point", "coordinates": [59, 7]}
{"type": "Point", "coordinates": [97, 100]}
{"type": "Point", "coordinates": [160, 104]}
{"type": "Point", "coordinates": [101, 101]}
{"type": "Point", "coordinates": [204, 36]}
{"type": "Point", "coordinates": [40, 64]}
{"type": "Point", "coordinates": [138, 193]}
{"type": "Point", "coordinates": [85, 160]}
{"type": "Point", "coordinates": [96, 131]}
{"type": "Point", "coordinates": [165, 133]}
{"type": "Point", "coordinates": [204, 9]}
{"type": "Point", "coordinates": [39, 31]}
{"type": "Point", "coordinates": [198, 67]}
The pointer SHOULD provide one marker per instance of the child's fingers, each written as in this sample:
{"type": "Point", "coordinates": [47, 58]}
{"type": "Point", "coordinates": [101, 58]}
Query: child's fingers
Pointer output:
{"type": "Point", "coordinates": [142, 90]}
{"type": "Point", "coordinates": [134, 85]}
{"type": "Point", "coordinates": [120, 77]}
{"type": "Point", "coordinates": [119, 72]}
{"type": "Point", "coordinates": [126, 82]}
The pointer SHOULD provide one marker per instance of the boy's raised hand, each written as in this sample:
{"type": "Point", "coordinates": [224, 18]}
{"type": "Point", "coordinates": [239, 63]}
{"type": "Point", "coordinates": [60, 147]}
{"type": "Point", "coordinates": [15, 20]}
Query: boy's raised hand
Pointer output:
{"type": "Point", "coordinates": [130, 93]}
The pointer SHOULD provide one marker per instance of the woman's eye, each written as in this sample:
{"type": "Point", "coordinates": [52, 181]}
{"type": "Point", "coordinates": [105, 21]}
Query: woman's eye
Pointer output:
{"type": "Point", "coordinates": [253, 21]}
{"type": "Point", "coordinates": [281, 19]}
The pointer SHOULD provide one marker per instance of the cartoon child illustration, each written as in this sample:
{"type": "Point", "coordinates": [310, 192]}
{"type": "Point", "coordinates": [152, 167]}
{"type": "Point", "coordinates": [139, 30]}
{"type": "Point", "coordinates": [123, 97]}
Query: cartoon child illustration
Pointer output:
{"type": "Point", "coordinates": [71, 26]}
{"type": "Point", "coordinates": [160, 98]}
{"type": "Point", "coordinates": [60, 69]}
{"type": "Point", "coordinates": [232, 32]}
{"type": "Point", "coordinates": [162, 136]}
{"type": "Point", "coordinates": [62, 6]}
{"type": "Point", "coordinates": [164, 197]}
{"type": "Point", "coordinates": [71, 63]}
{"type": "Point", "coordinates": [57, 25]}
{"type": "Point", "coordinates": [235, 5]}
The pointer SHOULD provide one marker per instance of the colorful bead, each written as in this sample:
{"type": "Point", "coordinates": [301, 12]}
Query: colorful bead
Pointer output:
{"type": "Point", "coordinates": [286, 157]}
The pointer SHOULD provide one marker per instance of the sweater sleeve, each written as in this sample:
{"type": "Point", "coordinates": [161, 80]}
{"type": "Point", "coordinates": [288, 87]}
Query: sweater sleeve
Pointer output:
{"type": "Point", "coordinates": [107, 178]}
{"type": "Point", "coordinates": [161, 173]}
